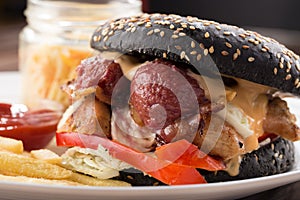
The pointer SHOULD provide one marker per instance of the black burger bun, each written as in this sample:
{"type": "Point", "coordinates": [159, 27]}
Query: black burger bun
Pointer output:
{"type": "Point", "coordinates": [274, 158]}
{"type": "Point", "coordinates": [236, 52]}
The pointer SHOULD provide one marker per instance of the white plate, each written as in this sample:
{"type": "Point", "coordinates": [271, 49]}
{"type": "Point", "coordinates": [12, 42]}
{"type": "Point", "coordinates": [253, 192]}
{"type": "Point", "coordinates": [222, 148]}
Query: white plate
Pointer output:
{"type": "Point", "coordinates": [9, 91]}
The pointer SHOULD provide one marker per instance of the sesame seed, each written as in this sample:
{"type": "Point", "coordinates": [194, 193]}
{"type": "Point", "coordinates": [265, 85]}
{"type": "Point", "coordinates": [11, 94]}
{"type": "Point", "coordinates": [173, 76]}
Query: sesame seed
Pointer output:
{"type": "Point", "coordinates": [275, 70]}
{"type": "Point", "coordinates": [187, 58]}
{"type": "Point", "coordinates": [148, 25]}
{"type": "Point", "coordinates": [251, 40]}
{"type": "Point", "coordinates": [193, 45]}
{"type": "Point", "coordinates": [178, 47]}
{"type": "Point", "coordinates": [264, 50]}
{"type": "Point", "coordinates": [193, 52]}
{"type": "Point", "coordinates": [174, 36]}
{"type": "Point", "coordinates": [218, 27]}
{"type": "Point", "coordinates": [235, 56]}
{"type": "Point", "coordinates": [228, 45]}
{"type": "Point", "coordinates": [282, 59]}
{"type": "Point", "coordinates": [238, 51]}
{"type": "Point", "coordinates": [201, 45]}
{"type": "Point", "coordinates": [206, 23]}
{"type": "Point", "coordinates": [256, 42]}
{"type": "Point", "coordinates": [156, 30]}
{"type": "Point", "coordinates": [133, 29]}
{"type": "Point", "coordinates": [281, 66]}
{"type": "Point", "coordinates": [211, 50]}
{"type": "Point", "coordinates": [156, 184]}
{"type": "Point", "coordinates": [198, 57]}
{"type": "Point", "coordinates": [182, 55]}
{"type": "Point", "coordinates": [162, 34]}
{"type": "Point", "coordinates": [96, 38]}
{"type": "Point", "coordinates": [104, 32]}
{"type": "Point", "coordinates": [296, 81]}
{"type": "Point", "coordinates": [129, 177]}
{"type": "Point", "coordinates": [298, 85]}
{"type": "Point", "coordinates": [128, 29]}
{"type": "Point", "coordinates": [150, 32]}
{"type": "Point", "coordinates": [172, 26]}
{"type": "Point", "coordinates": [164, 55]}
{"type": "Point", "coordinates": [192, 27]}
{"type": "Point", "coordinates": [272, 146]}
{"type": "Point", "coordinates": [288, 64]}
{"type": "Point", "coordinates": [288, 77]}
{"type": "Point", "coordinates": [205, 52]}
{"type": "Point", "coordinates": [182, 34]}
{"type": "Point", "coordinates": [111, 33]}
{"type": "Point", "coordinates": [266, 47]}
{"type": "Point", "coordinates": [225, 53]}
{"type": "Point", "coordinates": [227, 33]}
{"type": "Point", "coordinates": [281, 156]}
{"type": "Point", "coordinates": [245, 47]}
{"type": "Point", "coordinates": [242, 36]}
{"type": "Point", "coordinates": [206, 35]}
{"type": "Point", "coordinates": [278, 55]}
{"type": "Point", "coordinates": [140, 23]}
{"type": "Point", "coordinates": [251, 59]}
{"type": "Point", "coordinates": [183, 25]}
{"type": "Point", "coordinates": [105, 38]}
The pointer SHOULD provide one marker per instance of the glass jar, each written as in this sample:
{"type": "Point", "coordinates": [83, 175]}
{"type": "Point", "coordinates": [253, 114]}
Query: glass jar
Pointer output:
{"type": "Point", "coordinates": [56, 39]}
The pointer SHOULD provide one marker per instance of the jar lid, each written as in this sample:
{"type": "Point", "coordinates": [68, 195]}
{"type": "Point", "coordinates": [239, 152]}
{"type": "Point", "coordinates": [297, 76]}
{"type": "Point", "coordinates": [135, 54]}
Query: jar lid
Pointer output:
{"type": "Point", "coordinates": [81, 11]}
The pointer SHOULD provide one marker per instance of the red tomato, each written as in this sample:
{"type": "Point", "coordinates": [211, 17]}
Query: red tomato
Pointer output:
{"type": "Point", "coordinates": [34, 128]}
{"type": "Point", "coordinates": [185, 153]}
{"type": "Point", "coordinates": [165, 171]}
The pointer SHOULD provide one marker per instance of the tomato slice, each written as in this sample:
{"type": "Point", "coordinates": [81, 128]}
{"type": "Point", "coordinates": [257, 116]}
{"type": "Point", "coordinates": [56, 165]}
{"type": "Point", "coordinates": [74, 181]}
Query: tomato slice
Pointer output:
{"type": "Point", "coordinates": [165, 171]}
{"type": "Point", "coordinates": [185, 153]}
{"type": "Point", "coordinates": [34, 128]}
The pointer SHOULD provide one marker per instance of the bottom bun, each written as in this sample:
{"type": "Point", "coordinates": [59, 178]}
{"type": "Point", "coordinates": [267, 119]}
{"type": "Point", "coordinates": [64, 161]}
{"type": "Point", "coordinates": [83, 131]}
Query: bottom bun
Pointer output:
{"type": "Point", "coordinates": [273, 158]}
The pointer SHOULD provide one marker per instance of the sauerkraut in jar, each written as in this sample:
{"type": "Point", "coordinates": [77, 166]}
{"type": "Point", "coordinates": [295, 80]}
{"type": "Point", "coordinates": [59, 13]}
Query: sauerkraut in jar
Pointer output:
{"type": "Point", "coordinates": [55, 41]}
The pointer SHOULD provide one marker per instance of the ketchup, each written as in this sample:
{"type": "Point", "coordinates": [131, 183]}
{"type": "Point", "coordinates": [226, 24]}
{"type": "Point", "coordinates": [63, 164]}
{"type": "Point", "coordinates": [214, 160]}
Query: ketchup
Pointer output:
{"type": "Point", "coordinates": [35, 128]}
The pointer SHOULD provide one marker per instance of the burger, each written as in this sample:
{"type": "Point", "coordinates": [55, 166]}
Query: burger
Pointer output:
{"type": "Point", "coordinates": [173, 100]}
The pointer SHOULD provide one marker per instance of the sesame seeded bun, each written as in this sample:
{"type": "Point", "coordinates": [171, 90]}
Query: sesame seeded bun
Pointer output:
{"type": "Point", "coordinates": [235, 51]}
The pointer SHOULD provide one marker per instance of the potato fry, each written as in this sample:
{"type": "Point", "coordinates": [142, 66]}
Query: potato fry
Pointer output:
{"type": "Point", "coordinates": [25, 179]}
{"type": "Point", "coordinates": [26, 166]}
{"type": "Point", "coordinates": [88, 180]}
{"type": "Point", "coordinates": [12, 145]}
{"type": "Point", "coordinates": [46, 155]}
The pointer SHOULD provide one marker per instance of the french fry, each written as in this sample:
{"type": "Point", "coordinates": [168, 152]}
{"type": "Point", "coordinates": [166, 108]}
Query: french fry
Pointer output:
{"type": "Point", "coordinates": [26, 166]}
{"type": "Point", "coordinates": [46, 155]}
{"type": "Point", "coordinates": [25, 179]}
{"type": "Point", "coordinates": [88, 180]}
{"type": "Point", "coordinates": [12, 145]}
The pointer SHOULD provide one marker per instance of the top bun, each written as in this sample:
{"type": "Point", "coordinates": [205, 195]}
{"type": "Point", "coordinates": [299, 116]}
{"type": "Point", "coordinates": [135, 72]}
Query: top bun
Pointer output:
{"type": "Point", "coordinates": [236, 52]}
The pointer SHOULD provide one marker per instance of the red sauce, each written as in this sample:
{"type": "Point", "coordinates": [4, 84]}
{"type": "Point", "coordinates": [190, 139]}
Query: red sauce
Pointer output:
{"type": "Point", "coordinates": [34, 128]}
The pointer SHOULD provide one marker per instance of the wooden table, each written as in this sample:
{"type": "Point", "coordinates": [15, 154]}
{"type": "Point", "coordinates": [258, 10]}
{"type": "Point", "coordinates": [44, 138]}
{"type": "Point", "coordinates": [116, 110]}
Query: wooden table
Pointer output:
{"type": "Point", "coordinates": [9, 62]}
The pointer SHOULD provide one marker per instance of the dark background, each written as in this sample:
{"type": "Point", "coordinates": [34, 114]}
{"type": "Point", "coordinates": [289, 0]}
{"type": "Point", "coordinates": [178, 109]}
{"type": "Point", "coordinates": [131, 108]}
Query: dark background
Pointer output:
{"type": "Point", "coordinates": [264, 13]}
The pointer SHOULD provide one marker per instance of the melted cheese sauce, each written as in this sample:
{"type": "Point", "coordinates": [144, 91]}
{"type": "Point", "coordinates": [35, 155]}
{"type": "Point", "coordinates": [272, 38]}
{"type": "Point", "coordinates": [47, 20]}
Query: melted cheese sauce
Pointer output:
{"type": "Point", "coordinates": [251, 98]}
{"type": "Point", "coordinates": [128, 64]}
